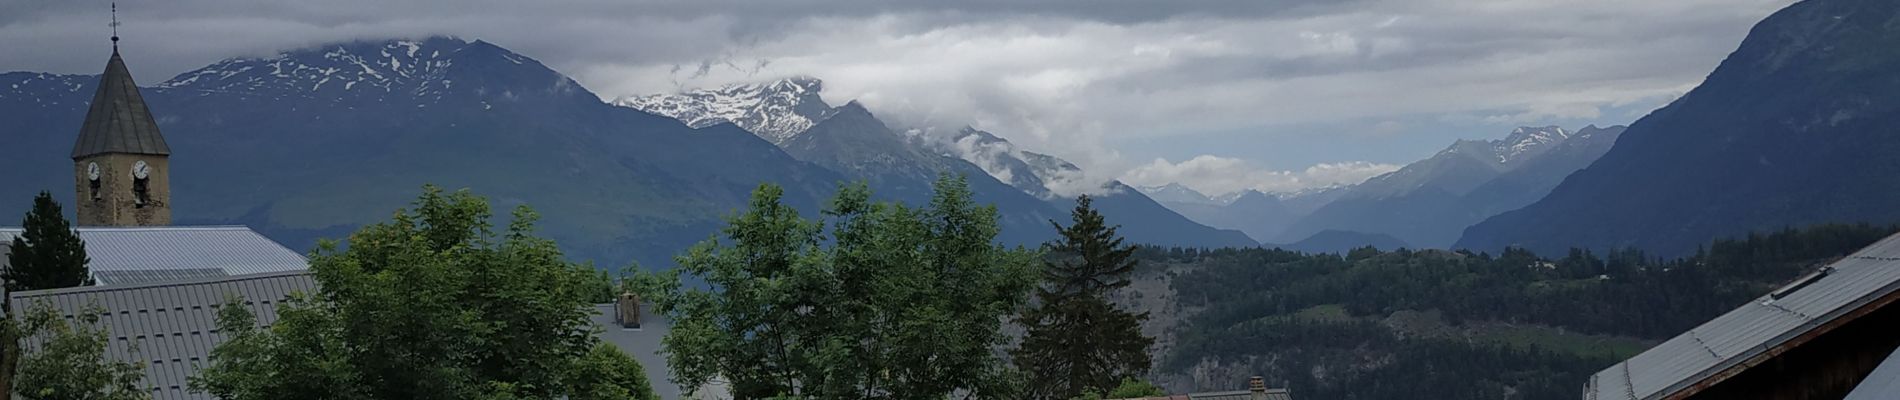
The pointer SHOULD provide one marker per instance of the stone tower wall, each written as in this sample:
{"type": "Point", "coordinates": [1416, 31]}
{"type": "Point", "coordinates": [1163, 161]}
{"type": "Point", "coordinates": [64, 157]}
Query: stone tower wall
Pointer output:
{"type": "Point", "coordinates": [116, 204]}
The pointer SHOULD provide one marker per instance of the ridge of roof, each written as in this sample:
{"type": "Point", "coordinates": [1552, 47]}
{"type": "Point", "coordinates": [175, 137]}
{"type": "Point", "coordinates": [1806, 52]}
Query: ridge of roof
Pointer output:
{"type": "Point", "coordinates": [139, 286]}
{"type": "Point", "coordinates": [146, 228]}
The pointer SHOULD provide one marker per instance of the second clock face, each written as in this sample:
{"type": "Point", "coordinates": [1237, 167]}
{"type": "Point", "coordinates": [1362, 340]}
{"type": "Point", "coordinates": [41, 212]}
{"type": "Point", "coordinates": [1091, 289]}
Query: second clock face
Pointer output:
{"type": "Point", "coordinates": [92, 171]}
{"type": "Point", "coordinates": [140, 170]}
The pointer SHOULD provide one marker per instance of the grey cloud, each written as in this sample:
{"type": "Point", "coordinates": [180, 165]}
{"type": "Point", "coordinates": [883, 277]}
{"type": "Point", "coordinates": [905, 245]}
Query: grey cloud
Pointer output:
{"type": "Point", "coordinates": [1060, 77]}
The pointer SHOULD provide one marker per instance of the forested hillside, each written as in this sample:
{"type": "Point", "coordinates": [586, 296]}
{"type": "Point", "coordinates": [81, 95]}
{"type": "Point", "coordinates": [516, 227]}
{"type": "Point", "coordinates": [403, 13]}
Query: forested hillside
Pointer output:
{"type": "Point", "coordinates": [1374, 324]}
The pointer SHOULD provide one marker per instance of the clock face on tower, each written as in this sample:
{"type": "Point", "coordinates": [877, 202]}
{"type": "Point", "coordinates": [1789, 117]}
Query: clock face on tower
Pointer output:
{"type": "Point", "coordinates": [92, 171]}
{"type": "Point", "coordinates": [140, 170]}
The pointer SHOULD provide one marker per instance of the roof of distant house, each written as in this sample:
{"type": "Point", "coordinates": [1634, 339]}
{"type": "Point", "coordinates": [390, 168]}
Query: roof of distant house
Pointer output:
{"type": "Point", "coordinates": [135, 255]}
{"type": "Point", "coordinates": [172, 325]}
{"type": "Point", "coordinates": [1269, 394]}
{"type": "Point", "coordinates": [1732, 340]}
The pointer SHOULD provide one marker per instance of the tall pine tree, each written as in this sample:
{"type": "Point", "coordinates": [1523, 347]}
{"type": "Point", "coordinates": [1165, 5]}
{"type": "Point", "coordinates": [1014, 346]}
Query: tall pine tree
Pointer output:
{"type": "Point", "coordinates": [1077, 341]}
{"type": "Point", "coordinates": [48, 253]}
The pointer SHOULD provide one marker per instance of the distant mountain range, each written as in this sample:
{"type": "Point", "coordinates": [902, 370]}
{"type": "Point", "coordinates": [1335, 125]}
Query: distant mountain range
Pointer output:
{"type": "Point", "coordinates": [1796, 127]}
{"type": "Point", "coordinates": [1430, 202]}
{"type": "Point", "coordinates": [1425, 204]}
{"type": "Point", "coordinates": [1262, 216]}
{"type": "Point", "coordinates": [1030, 188]}
{"type": "Point", "coordinates": [312, 143]}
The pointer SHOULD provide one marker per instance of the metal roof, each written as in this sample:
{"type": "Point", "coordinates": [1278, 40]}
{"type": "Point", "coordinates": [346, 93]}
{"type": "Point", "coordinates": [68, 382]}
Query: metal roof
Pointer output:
{"type": "Point", "coordinates": [118, 121]}
{"type": "Point", "coordinates": [173, 325]}
{"type": "Point", "coordinates": [1754, 328]}
{"type": "Point", "coordinates": [1881, 384]}
{"type": "Point", "coordinates": [133, 255]}
{"type": "Point", "coordinates": [1271, 394]}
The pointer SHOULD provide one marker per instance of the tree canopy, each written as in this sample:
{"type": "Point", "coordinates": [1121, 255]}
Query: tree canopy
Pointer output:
{"type": "Point", "coordinates": [429, 305]}
{"type": "Point", "coordinates": [897, 303]}
{"type": "Point", "coordinates": [47, 254]}
{"type": "Point", "coordinates": [1462, 324]}
{"type": "Point", "coordinates": [1078, 341]}
{"type": "Point", "coordinates": [66, 359]}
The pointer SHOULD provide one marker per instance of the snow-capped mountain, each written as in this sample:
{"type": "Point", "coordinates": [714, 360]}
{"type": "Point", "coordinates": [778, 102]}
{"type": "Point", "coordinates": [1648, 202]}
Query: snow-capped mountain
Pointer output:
{"type": "Point", "coordinates": [43, 88]}
{"type": "Point", "coordinates": [901, 163]}
{"type": "Point", "coordinates": [1465, 164]}
{"type": "Point", "coordinates": [1429, 202]}
{"type": "Point", "coordinates": [782, 109]}
{"type": "Point", "coordinates": [1042, 175]}
{"type": "Point", "coordinates": [384, 67]}
{"type": "Point", "coordinates": [776, 110]}
{"type": "Point", "coordinates": [312, 142]}
{"type": "Point", "coordinates": [1526, 143]}
{"type": "Point", "coordinates": [433, 72]}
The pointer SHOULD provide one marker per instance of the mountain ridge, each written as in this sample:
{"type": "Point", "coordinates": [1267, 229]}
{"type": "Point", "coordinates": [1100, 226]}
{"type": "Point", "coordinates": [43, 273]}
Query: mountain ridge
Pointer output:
{"type": "Point", "coordinates": [776, 110]}
{"type": "Point", "coordinates": [304, 158]}
{"type": "Point", "coordinates": [1789, 130]}
{"type": "Point", "coordinates": [1030, 188]}
{"type": "Point", "coordinates": [1429, 203]}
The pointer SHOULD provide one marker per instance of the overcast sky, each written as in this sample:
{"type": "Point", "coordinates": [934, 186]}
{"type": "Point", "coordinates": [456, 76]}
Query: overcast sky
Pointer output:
{"type": "Point", "coordinates": [1218, 95]}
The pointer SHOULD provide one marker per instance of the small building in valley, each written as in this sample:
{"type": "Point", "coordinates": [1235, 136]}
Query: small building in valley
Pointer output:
{"type": "Point", "coordinates": [1826, 335]}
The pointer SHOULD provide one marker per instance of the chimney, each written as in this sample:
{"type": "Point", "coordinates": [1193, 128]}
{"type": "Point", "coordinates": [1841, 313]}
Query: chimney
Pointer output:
{"type": "Point", "coordinates": [1258, 387]}
{"type": "Point", "coordinates": [627, 311]}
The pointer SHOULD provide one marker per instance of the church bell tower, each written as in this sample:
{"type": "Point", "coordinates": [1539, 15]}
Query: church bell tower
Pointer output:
{"type": "Point", "coordinates": [121, 165]}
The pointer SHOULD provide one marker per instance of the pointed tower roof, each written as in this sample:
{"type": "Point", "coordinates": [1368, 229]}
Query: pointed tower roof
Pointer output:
{"type": "Point", "coordinates": [118, 121]}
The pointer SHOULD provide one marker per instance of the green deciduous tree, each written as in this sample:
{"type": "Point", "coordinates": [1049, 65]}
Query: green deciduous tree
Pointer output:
{"type": "Point", "coordinates": [48, 253]}
{"type": "Point", "coordinates": [66, 360]}
{"type": "Point", "coordinates": [430, 305]}
{"type": "Point", "coordinates": [899, 303]}
{"type": "Point", "coordinates": [607, 373]}
{"type": "Point", "coordinates": [602, 289]}
{"type": "Point", "coordinates": [1130, 388]}
{"type": "Point", "coordinates": [1077, 341]}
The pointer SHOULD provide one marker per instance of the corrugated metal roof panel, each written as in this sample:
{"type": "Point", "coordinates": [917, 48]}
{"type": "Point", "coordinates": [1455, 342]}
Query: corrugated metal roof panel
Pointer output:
{"type": "Point", "coordinates": [169, 327]}
{"type": "Point", "coordinates": [135, 255]}
{"type": "Point", "coordinates": [1271, 394]}
{"type": "Point", "coordinates": [1882, 384]}
{"type": "Point", "coordinates": [1752, 328]}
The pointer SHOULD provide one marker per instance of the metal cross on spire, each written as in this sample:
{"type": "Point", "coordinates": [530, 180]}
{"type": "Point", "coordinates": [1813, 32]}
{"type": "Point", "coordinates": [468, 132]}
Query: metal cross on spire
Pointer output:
{"type": "Point", "coordinates": [115, 27]}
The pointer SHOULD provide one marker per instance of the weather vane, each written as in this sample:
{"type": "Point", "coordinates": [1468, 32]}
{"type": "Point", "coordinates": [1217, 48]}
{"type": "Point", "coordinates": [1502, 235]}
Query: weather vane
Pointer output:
{"type": "Point", "coordinates": [115, 26]}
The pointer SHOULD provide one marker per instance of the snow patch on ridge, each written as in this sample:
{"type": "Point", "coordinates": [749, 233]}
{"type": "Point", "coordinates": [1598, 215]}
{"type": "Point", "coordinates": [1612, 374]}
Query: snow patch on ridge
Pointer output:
{"type": "Point", "coordinates": [775, 111]}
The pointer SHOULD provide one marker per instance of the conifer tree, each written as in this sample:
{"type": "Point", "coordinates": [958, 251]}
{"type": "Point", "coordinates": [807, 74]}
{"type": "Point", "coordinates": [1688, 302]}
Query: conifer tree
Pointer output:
{"type": "Point", "coordinates": [48, 253]}
{"type": "Point", "coordinates": [1077, 341]}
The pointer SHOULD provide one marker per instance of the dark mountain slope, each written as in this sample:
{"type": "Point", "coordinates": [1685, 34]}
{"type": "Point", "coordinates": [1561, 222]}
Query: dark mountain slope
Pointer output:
{"type": "Point", "coordinates": [1341, 242]}
{"type": "Point", "coordinates": [1145, 221]}
{"type": "Point", "coordinates": [1525, 185]}
{"type": "Point", "coordinates": [1798, 126]}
